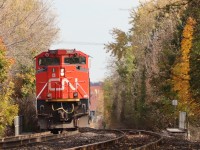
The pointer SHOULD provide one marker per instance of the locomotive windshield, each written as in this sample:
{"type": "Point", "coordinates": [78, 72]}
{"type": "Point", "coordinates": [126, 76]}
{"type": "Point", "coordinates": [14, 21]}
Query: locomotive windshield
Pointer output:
{"type": "Point", "coordinates": [48, 61]}
{"type": "Point", "coordinates": [75, 60]}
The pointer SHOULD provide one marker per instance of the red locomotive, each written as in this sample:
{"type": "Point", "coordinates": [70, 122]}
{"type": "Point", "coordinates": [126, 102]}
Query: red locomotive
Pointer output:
{"type": "Point", "coordinates": [62, 89]}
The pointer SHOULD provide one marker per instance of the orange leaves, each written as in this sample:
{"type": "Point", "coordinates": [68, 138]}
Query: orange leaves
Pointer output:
{"type": "Point", "coordinates": [181, 70]}
{"type": "Point", "coordinates": [2, 46]}
{"type": "Point", "coordinates": [186, 43]}
{"type": "Point", "coordinates": [5, 63]}
{"type": "Point", "coordinates": [25, 81]}
{"type": "Point", "coordinates": [189, 27]}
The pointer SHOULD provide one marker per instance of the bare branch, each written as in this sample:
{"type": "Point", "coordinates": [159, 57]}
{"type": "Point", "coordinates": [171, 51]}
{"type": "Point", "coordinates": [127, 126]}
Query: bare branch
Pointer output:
{"type": "Point", "coordinates": [171, 5]}
{"type": "Point", "coordinates": [1, 6]}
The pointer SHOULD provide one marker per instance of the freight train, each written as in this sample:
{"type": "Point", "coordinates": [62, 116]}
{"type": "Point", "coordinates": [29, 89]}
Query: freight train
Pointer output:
{"type": "Point", "coordinates": [62, 89]}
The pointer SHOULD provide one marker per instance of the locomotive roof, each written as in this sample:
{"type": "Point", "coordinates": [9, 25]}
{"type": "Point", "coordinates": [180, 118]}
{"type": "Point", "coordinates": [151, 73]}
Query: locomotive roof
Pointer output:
{"type": "Point", "coordinates": [63, 52]}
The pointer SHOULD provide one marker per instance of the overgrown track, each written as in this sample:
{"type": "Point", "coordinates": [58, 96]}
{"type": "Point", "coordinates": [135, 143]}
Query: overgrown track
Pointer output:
{"type": "Point", "coordinates": [102, 144]}
{"type": "Point", "coordinates": [88, 139]}
{"type": "Point", "coordinates": [153, 144]}
{"type": "Point", "coordinates": [13, 142]}
{"type": "Point", "coordinates": [137, 143]}
{"type": "Point", "coordinates": [141, 140]}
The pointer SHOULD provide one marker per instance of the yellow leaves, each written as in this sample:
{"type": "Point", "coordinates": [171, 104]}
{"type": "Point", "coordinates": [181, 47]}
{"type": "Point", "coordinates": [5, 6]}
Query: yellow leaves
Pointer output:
{"type": "Point", "coordinates": [7, 114]}
{"type": "Point", "coordinates": [4, 63]}
{"type": "Point", "coordinates": [186, 46]}
{"type": "Point", "coordinates": [2, 46]}
{"type": "Point", "coordinates": [25, 81]}
{"type": "Point", "coordinates": [181, 70]}
{"type": "Point", "coordinates": [28, 77]}
{"type": "Point", "coordinates": [22, 5]}
{"type": "Point", "coordinates": [189, 27]}
{"type": "Point", "coordinates": [7, 109]}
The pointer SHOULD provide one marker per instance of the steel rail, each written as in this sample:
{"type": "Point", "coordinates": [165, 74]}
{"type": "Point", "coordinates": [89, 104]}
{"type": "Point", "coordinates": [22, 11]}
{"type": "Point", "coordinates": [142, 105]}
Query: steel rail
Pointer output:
{"type": "Point", "coordinates": [102, 144]}
{"type": "Point", "coordinates": [149, 146]}
{"type": "Point", "coordinates": [152, 145]}
{"type": "Point", "coordinates": [23, 136]}
{"type": "Point", "coordinates": [41, 137]}
{"type": "Point", "coordinates": [30, 139]}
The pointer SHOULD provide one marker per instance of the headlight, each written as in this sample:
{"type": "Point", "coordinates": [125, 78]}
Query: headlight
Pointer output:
{"type": "Point", "coordinates": [49, 96]}
{"type": "Point", "coordinates": [62, 72]}
{"type": "Point", "coordinates": [75, 94]}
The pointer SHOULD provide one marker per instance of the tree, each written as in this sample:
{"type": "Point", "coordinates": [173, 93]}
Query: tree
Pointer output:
{"type": "Point", "coordinates": [194, 12]}
{"type": "Point", "coordinates": [7, 107]}
{"type": "Point", "coordinates": [153, 42]}
{"type": "Point", "coordinates": [181, 70]}
{"type": "Point", "coordinates": [119, 97]}
{"type": "Point", "coordinates": [27, 27]}
{"type": "Point", "coordinates": [118, 48]}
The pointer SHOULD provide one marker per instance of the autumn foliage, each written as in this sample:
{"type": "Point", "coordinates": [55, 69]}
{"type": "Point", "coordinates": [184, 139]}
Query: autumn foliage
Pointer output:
{"type": "Point", "coordinates": [7, 108]}
{"type": "Point", "coordinates": [27, 28]}
{"type": "Point", "coordinates": [181, 71]}
{"type": "Point", "coordinates": [155, 63]}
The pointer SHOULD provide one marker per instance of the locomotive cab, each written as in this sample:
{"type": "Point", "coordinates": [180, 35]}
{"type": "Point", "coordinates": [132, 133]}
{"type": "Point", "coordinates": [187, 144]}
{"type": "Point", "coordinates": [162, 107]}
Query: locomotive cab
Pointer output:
{"type": "Point", "coordinates": [62, 89]}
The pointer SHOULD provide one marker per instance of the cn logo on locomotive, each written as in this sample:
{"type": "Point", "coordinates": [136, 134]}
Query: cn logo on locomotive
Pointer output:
{"type": "Point", "coordinates": [64, 80]}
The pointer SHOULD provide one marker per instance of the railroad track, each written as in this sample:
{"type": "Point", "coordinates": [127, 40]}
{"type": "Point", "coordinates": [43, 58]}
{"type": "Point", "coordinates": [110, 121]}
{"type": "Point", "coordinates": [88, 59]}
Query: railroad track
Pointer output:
{"type": "Point", "coordinates": [142, 140]}
{"type": "Point", "coordinates": [18, 141]}
{"type": "Point", "coordinates": [87, 139]}
{"type": "Point", "coordinates": [102, 144]}
{"type": "Point", "coordinates": [115, 143]}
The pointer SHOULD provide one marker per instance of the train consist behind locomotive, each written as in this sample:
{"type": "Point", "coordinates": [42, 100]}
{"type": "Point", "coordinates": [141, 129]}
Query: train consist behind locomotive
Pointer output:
{"type": "Point", "coordinates": [62, 89]}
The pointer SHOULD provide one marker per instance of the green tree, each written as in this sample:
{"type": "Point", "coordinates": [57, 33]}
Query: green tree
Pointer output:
{"type": "Point", "coordinates": [119, 47]}
{"type": "Point", "coordinates": [154, 41]}
{"type": "Point", "coordinates": [119, 97]}
{"type": "Point", "coordinates": [194, 12]}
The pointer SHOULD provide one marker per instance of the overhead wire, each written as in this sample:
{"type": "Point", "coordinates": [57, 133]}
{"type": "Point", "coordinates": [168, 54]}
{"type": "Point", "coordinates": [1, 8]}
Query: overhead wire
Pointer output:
{"type": "Point", "coordinates": [66, 42]}
{"type": "Point", "coordinates": [80, 43]}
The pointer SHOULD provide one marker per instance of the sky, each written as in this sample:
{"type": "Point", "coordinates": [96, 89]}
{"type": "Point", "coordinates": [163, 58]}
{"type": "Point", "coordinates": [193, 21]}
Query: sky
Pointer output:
{"type": "Point", "coordinates": [86, 25]}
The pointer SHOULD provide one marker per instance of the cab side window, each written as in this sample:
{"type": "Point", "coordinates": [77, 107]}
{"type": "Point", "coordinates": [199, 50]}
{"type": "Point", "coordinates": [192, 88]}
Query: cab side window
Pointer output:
{"type": "Point", "coordinates": [82, 60]}
{"type": "Point", "coordinates": [75, 60]}
{"type": "Point", "coordinates": [48, 61]}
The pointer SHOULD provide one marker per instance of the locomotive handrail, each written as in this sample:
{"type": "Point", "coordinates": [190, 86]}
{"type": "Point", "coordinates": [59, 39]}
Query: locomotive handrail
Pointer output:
{"type": "Point", "coordinates": [81, 88]}
{"type": "Point", "coordinates": [41, 90]}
